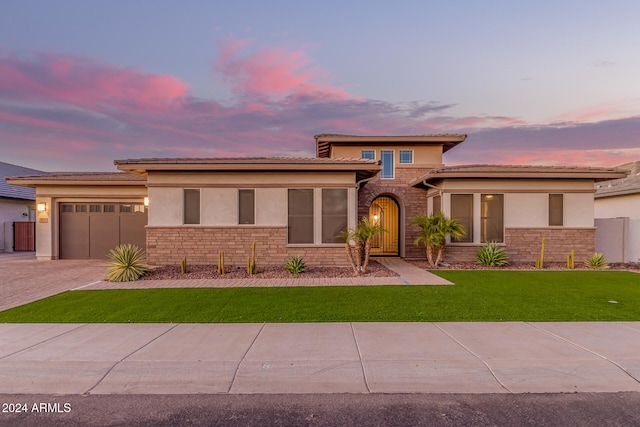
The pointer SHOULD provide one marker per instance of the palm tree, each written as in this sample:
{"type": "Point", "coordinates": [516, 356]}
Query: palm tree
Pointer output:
{"type": "Point", "coordinates": [361, 236]}
{"type": "Point", "coordinates": [433, 233]}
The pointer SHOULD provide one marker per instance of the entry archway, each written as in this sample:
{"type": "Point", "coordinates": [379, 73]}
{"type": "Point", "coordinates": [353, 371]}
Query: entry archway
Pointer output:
{"type": "Point", "coordinates": [384, 210]}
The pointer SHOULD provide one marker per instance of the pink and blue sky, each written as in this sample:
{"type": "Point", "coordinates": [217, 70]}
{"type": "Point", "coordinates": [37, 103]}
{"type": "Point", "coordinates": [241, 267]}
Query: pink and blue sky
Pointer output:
{"type": "Point", "coordinates": [531, 82]}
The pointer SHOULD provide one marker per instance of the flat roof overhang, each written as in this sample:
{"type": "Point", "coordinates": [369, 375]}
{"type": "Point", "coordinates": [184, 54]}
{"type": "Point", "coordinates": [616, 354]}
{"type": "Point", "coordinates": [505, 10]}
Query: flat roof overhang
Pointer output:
{"type": "Point", "coordinates": [325, 141]}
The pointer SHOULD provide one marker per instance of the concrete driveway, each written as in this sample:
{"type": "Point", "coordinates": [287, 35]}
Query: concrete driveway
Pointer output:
{"type": "Point", "coordinates": [26, 280]}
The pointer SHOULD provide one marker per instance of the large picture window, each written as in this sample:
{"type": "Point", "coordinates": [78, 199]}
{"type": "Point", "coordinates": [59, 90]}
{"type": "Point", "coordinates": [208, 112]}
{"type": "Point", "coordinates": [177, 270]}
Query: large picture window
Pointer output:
{"type": "Point", "coordinates": [492, 218]}
{"type": "Point", "coordinates": [387, 164]}
{"type": "Point", "coordinates": [556, 209]}
{"type": "Point", "coordinates": [246, 206]}
{"type": "Point", "coordinates": [335, 207]}
{"type": "Point", "coordinates": [462, 210]}
{"type": "Point", "coordinates": [300, 216]}
{"type": "Point", "coordinates": [191, 206]}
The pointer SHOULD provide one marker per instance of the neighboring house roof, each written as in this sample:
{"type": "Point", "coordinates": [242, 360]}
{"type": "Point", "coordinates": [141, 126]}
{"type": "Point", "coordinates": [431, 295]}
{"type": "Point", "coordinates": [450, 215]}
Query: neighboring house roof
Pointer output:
{"type": "Point", "coordinates": [517, 172]}
{"type": "Point", "coordinates": [77, 178]}
{"type": "Point", "coordinates": [10, 191]}
{"type": "Point", "coordinates": [362, 167]}
{"type": "Point", "coordinates": [619, 187]}
{"type": "Point", "coordinates": [325, 140]}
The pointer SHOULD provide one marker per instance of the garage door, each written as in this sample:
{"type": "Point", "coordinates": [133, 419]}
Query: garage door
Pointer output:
{"type": "Point", "coordinates": [90, 230]}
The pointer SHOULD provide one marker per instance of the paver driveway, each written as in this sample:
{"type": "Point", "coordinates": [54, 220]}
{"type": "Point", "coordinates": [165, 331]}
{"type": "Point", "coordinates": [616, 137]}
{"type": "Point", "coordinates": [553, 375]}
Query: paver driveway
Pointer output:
{"type": "Point", "coordinates": [26, 280]}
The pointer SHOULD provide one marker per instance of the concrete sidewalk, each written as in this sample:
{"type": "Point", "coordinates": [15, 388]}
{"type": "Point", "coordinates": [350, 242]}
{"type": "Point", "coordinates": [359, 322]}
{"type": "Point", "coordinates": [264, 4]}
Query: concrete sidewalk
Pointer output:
{"type": "Point", "coordinates": [510, 357]}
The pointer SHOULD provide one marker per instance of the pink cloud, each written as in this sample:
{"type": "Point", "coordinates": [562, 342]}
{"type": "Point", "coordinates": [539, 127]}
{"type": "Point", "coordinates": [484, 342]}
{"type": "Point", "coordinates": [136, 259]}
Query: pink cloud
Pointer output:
{"type": "Point", "coordinates": [86, 83]}
{"type": "Point", "coordinates": [273, 73]}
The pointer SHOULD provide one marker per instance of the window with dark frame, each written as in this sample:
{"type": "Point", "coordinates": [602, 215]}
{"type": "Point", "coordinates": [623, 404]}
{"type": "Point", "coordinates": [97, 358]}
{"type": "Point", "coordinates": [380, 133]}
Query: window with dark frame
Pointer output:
{"type": "Point", "coordinates": [492, 218]}
{"type": "Point", "coordinates": [246, 206]}
{"type": "Point", "coordinates": [335, 206]}
{"type": "Point", "coordinates": [556, 209]}
{"type": "Point", "coordinates": [462, 210]}
{"type": "Point", "coordinates": [191, 206]}
{"type": "Point", "coordinates": [300, 216]}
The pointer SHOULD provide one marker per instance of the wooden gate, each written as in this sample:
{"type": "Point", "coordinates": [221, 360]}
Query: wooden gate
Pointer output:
{"type": "Point", "coordinates": [24, 236]}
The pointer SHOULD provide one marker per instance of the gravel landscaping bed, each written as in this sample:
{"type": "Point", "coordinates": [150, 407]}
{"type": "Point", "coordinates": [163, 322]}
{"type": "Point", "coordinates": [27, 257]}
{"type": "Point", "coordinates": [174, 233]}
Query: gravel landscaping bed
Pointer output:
{"type": "Point", "coordinates": [173, 272]}
{"type": "Point", "coordinates": [519, 266]}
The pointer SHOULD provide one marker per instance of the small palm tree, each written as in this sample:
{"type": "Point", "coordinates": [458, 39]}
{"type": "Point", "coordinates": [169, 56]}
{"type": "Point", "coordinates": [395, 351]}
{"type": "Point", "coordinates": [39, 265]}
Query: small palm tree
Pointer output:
{"type": "Point", "coordinates": [361, 236]}
{"type": "Point", "coordinates": [433, 233]}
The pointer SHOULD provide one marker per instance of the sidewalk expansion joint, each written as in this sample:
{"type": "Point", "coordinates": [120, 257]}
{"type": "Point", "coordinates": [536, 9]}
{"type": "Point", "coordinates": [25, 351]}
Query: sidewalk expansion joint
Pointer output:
{"type": "Point", "coordinates": [235, 373]}
{"type": "Point", "coordinates": [127, 356]}
{"type": "Point", "coordinates": [585, 349]}
{"type": "Point", "coordinates": [364, 373]}
{"type": "Point", "coordinates": [493, 374]}
{"type": "Point", "coordinates": [42, 342]}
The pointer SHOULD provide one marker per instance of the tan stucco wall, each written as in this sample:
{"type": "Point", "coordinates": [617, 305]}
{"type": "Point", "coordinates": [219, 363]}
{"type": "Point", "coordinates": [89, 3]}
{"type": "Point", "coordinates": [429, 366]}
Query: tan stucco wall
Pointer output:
{"type": "Point", "coordinates": [430, 156]}
{"type": "Point", "coordinates": [47, 223]}
{"type": "Point", "coordinates": [526, 202]}
{"type": "Point", "coordinates": [250, 179]}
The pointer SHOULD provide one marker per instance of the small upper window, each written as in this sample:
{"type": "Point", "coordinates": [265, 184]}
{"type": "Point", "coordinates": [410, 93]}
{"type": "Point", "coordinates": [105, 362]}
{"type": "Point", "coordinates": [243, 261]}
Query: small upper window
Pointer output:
{"type": "Point", "coordinates": [369, 154]}
{"type": "Point", "coordinates": [406, 156]}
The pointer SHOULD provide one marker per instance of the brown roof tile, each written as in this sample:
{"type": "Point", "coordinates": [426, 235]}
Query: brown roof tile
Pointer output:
{"type": "Point", "coordinates": [519, 172]}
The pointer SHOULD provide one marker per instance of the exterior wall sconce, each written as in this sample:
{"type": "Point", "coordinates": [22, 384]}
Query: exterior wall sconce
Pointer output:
{"type": "Point", "coordinates": [146, 202]}
{"type": "Point", "coordinates": [42, 207]}
{"type": "Point", "coordinates": [375, 217]}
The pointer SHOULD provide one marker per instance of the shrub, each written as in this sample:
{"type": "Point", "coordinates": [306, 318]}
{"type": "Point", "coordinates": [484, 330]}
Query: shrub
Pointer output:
{"type": "Point", "coordinates": [492, 255]}
{"type": "Point", "coordinates": [596, 260]}
{"type": "Point", "coordinates": [295, 265]}
{"type": "Point", "coordinates": [127, 264]}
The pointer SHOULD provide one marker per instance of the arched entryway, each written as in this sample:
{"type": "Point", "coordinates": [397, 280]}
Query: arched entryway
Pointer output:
{"type": "Point", "coordinates": [385, 210]}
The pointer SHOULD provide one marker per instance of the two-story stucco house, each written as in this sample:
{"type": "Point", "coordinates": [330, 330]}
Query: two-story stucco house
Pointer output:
{"type": "Point", "coordinates": [297, 206]}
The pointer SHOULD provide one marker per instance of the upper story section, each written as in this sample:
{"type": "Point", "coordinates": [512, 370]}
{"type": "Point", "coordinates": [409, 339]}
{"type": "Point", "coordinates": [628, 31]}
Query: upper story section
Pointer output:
{"type": "Point", "coordinates": [400, 156]}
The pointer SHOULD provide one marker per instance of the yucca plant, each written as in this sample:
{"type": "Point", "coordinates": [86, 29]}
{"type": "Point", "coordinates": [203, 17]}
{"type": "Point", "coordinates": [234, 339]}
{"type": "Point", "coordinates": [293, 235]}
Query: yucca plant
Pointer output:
{"type": "Point", "coordinates": [127, 263]}
{"type": "Point", "coordinates": [295, 265]}
{"type": "Point", "coordinates": [492, 255]}
{"type": "Point", "coordinates": [597, 261]}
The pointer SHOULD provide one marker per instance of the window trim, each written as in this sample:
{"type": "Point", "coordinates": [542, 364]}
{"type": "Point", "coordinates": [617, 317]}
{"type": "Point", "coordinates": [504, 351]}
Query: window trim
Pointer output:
{"type": "Point", "coordinates": [373, 153]}
{"type": "Point", "coordinates": [560, 208]}
{"type": "Point", "coordinates": [400, 157]}
{"type": "Point", "coordinates": [184, 206]}
{"type": "Point", "coordinates": [326, 216]}
{"type": "Point", "coordinates": [483, 218]}
{"type": "Point", "coordinates": [313, 217]}
{"type": "Point", "coordinates": [468, 237]}
{"type": "Point", "coordinates": [253, 204]}
{"type": "Point", "coordinates": [391, 164]}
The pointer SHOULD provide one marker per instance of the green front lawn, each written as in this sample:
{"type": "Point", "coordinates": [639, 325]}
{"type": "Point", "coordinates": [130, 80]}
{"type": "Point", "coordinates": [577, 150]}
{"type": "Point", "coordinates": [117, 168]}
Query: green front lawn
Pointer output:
{"type": "Point", "coordinates": [477, 296]}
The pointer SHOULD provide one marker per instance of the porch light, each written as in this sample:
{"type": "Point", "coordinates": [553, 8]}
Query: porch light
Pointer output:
{"type": "Point", "coordinates": [375, 217]}
{"type": "Point", "coordinates": [146, 202]}
{"type": "Point", "coordinates": [42, 207]}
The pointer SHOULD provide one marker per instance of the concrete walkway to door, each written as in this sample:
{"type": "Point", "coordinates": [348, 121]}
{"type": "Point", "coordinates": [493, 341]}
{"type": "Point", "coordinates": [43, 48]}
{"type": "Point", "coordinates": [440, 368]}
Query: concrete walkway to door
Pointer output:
{"type": "Point", "coordinates": [410, 274]}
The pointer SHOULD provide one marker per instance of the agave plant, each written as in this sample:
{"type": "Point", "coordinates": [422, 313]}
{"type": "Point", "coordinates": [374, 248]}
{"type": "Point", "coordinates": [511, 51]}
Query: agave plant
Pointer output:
{"type": "Point", "coordinates": [127, 263]}
{"type": "Point", "coordinates": [597, 261]}
{"type": "Point", "coordinates": [492, 255]}
{"type": "Point", "coordinates": [295, 265]}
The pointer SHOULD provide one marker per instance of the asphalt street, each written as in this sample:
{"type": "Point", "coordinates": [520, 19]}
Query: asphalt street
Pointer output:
{"type": "Point", "coordinates": [553, 410]}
